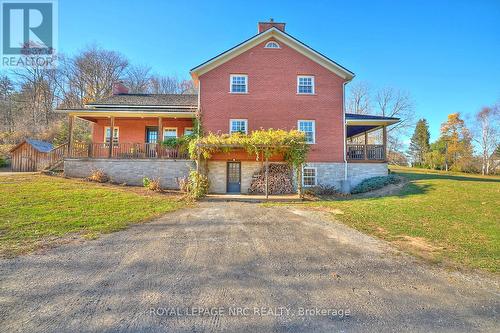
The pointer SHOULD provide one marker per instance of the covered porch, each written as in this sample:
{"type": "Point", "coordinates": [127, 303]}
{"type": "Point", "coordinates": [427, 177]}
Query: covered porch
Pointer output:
{"type": "Point", "coordinates": [366, 138]}
{"type": "Point", "coordinates": [118, 134]}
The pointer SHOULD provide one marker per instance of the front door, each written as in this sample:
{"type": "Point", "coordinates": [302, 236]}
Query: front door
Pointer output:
{"type": "Point", "coordinates": [151, 140]}
{"type": "Point", "coordinates": [233, 177]}
{"type": "Point", "coordinates": [151, 134]}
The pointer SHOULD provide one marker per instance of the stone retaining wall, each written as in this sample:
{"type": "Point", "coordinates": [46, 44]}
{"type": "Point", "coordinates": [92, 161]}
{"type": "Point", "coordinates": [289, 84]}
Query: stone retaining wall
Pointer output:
{"type": "Point", "coordinates": [132, 172]}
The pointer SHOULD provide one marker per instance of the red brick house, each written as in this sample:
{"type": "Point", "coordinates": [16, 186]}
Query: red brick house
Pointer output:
{"type": "Point", "coordinates": [271, 80]}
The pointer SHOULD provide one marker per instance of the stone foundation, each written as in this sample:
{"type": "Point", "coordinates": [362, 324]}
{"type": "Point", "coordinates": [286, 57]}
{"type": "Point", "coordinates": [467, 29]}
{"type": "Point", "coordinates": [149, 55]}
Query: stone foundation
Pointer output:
{"type": "Point", "coordinates": [332, 174]}
{"type": "Point", "coordinates": [132, 172]}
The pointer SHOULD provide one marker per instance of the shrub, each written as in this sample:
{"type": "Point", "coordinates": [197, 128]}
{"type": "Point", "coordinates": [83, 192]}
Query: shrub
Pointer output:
{"type": "Point", "coordinates": [321, 190]}
{"type": "Point", "coordinates": [98, 176]}
{"type": "Point", "coordinates": [183, 183]}
{"type": "Point", "coordinates": [152, 184]}
{"type": "Point", "coordinates": [3, 162]}
{"type": "Point", "coordinates": [375, 183]}
{"type": "Point", "coordinates": [198, 185]}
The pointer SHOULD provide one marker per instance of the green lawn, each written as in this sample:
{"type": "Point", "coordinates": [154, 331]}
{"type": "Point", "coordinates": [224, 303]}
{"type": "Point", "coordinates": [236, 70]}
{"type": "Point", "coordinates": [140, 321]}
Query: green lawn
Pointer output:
{"type": "Point", "coordinates": [37, 210]}
{"type": "Point", "coordinates": [449, 217]}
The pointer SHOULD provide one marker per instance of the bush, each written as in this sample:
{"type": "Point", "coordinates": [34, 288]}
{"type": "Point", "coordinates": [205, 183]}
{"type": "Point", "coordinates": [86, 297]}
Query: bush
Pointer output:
{"type": "Point", "coordinates": [375, 183]}
{"type": "Point", "coordinates": [321, 190]}
{"type": "Point", "coordinates": [198, 185]}
{"type": "Point", "coordinates": [98, 176]}
{"type": "Point", "coordinates": [183, 183]}
{"type": "Point", "coordinates": [3, 162]}
{"type": "Point", "coordinates": [152, 184]}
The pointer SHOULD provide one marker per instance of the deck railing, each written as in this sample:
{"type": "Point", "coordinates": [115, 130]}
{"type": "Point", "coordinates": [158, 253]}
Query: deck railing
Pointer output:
{"type": "Point", "coordinates": [365, 152]}
{"type": "Point", "coordinates": [126, 151]}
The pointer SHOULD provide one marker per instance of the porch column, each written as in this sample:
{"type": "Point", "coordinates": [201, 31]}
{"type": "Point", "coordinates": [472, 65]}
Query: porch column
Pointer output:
{"type": "Point", "coordinates": [71, 120]}
{"type": "Point", "coordinates": [366, 146]}
{"type": "Point", "coordinates": [384, 141]}
{"type": "Point", "coordinates": [160, 136]}
{"type": "Point", "coordinates": [111, 135]}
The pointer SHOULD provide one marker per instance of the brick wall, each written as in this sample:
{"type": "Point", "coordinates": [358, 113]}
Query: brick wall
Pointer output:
{"type": "Point", "coordinates": [272, 101]}
{"type": "Point", "coordinates": [133, 130]}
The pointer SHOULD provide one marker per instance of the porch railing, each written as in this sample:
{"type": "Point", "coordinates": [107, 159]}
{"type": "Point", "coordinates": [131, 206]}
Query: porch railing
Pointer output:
{"type": "Point", "coordinates": [125, 151]}
{"type": "Point", "coordinates": [365, 152]}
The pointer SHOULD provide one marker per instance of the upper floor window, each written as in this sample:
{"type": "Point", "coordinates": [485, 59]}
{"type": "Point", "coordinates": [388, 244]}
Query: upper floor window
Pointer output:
{"type": "Point", "coordinates": [272, 45]}
{"type": "Point", "coordinates": [309, 128]}
{"type": "Point", "coordinates": [305, 84]}
{"type": "Point", "coordinates": [107, 134]}
{"type": "Point", "coordinates": [239, 83]}
{"type": "Point", "coordinates": [169, 132]}
{"type": "Point", "coordinates": [238, 126]}
{"type": "Point", "coordinates": [188, 131]}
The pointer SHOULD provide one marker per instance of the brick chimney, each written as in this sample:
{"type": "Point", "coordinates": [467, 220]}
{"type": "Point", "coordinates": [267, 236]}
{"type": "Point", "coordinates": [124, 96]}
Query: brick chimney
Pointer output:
{"type": "Point", "coordinates": [119, 88]}
{"type": "Point", "coordinates": [263, 26]}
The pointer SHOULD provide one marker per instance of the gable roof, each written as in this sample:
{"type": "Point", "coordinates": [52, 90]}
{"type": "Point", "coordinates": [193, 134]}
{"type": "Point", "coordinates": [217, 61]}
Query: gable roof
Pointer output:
{"type": "Point", "coordinates": [41, 146]}
{"type": "Point", "coordinates": [280, 36]}
{"type": "Point", "coordinates": [148, 100]}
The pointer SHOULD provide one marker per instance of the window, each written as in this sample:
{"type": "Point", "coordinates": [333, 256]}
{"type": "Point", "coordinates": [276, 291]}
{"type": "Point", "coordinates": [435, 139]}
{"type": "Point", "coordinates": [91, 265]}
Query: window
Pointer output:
{"type": "Point", "coordinates": [309, 128]}
{"type": "Point", "coordinates": [188, 131]}
{"type": "Point", "coordinates": [239, 83]}
{"type": "Point", "coordinates": [169, 132]}
{"type": "Point", "coordinates": [305, 84]}
{"type": "Point", "coordinates": [272, 45]}
{"type": "Point", "coordinates": [238, 126]}
{"type": "Point", "coordinates": [107, 134]}
{"type": "Point", "coordinates": [308, 176]}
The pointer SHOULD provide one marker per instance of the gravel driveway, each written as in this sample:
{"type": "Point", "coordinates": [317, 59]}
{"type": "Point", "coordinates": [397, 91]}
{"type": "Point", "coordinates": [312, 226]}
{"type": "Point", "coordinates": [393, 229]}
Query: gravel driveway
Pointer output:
{"type": "Point", "coordinates": [239, 267]}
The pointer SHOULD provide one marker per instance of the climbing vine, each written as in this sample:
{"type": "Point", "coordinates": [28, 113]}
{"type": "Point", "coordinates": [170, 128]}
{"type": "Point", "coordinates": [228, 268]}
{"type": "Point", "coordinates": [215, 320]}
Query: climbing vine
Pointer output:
{"type": "Point", "coordinates": [266, 143]}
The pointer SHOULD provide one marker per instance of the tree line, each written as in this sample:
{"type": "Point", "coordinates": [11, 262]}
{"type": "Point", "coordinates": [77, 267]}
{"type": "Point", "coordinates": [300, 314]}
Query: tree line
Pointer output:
{"type": "Point", "coordinates": [454, 149]}
{"type": "Point", "coordinates": [29, 95]}
{"type": "Point", "coordinates": [458, 148]}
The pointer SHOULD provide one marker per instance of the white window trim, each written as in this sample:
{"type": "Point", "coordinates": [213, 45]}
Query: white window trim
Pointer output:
{"type": "Point", "coordinates": [315, 175]}
{"type": "Point", "coordinates": [312, 81]}
{"type": "Point", "coordinates": [272, 42]}
{"type": "Point", "coordinates": [313, 128]}
{"type": "Point", "coordinates": [117, 132]}
{"type": "Point", "coordinates": [188, 128]}
{"type": "Point", "coordinates": [231, 84]}
{"type": "Point", "coordinates": [231, 125]}
{"type": "Point", "coordinates": [169, 128]}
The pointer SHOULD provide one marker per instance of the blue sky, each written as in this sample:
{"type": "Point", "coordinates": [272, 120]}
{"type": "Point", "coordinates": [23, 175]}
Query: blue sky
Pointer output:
{"type": "Point", "coordinates": [445, 53]}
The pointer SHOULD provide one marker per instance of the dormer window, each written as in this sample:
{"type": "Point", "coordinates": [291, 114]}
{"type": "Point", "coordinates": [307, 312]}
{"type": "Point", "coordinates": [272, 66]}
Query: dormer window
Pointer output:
{"type": "Point", "coordinates": [272, 45]}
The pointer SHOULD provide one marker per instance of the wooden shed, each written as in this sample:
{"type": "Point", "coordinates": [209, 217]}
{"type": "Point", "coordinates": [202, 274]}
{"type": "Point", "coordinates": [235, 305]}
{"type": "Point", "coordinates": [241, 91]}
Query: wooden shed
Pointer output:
{"type": "Point", "coordinates": [30, 155]}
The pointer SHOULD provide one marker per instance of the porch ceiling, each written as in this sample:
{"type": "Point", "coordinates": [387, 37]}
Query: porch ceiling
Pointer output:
{"type": "Point", "coordinates": [356, 130]}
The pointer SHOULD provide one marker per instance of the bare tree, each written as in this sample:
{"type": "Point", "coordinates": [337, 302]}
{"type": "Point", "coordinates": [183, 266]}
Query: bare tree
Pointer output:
{"type": "Point", "coordinates": [359, 98]}
{"type": "Point", "coordinates": [138, 79]}
{"type": "Point", "coordinates": [6, 103]}
{"type": "Point", "coordinates": [170, 85]}
{"type": "Point", "coordinates": [396, 103]}
{"type": "Point", "coordinates": [94, 71]}
{"type": "Point", "coordinates": [486, 132]}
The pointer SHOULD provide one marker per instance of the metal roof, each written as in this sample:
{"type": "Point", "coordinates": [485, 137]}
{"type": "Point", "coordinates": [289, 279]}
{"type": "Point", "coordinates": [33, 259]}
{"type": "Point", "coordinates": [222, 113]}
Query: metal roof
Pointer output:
{"type": "Point", "coordinates": [41, 146]}
{"type": "Point", "coordinates": [354, 116]}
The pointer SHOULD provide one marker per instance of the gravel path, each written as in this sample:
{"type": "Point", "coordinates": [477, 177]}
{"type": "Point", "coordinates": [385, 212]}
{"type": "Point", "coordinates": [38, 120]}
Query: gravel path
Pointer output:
{"type": "Point", "coordinates": [245, 268]}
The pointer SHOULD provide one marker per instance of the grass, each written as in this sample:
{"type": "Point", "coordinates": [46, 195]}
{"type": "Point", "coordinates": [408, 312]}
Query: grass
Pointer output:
{"type": "Point", "coordinates": [452, 218]}
{"type": "Point", "coordinates": [38, 210]}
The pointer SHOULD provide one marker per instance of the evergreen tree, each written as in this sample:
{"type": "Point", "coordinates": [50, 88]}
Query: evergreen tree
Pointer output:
{"type": "Point", "coordinates": [419, 144]}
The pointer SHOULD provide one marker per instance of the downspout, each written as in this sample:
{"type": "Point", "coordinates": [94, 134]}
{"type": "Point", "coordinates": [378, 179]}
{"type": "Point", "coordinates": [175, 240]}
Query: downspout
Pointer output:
{"type": "Point", "coordinates": [345, 129]}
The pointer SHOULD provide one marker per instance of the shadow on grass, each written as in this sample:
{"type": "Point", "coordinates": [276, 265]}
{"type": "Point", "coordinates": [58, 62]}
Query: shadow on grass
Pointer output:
{"type": "Point", "coordinates": [418, 176]}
